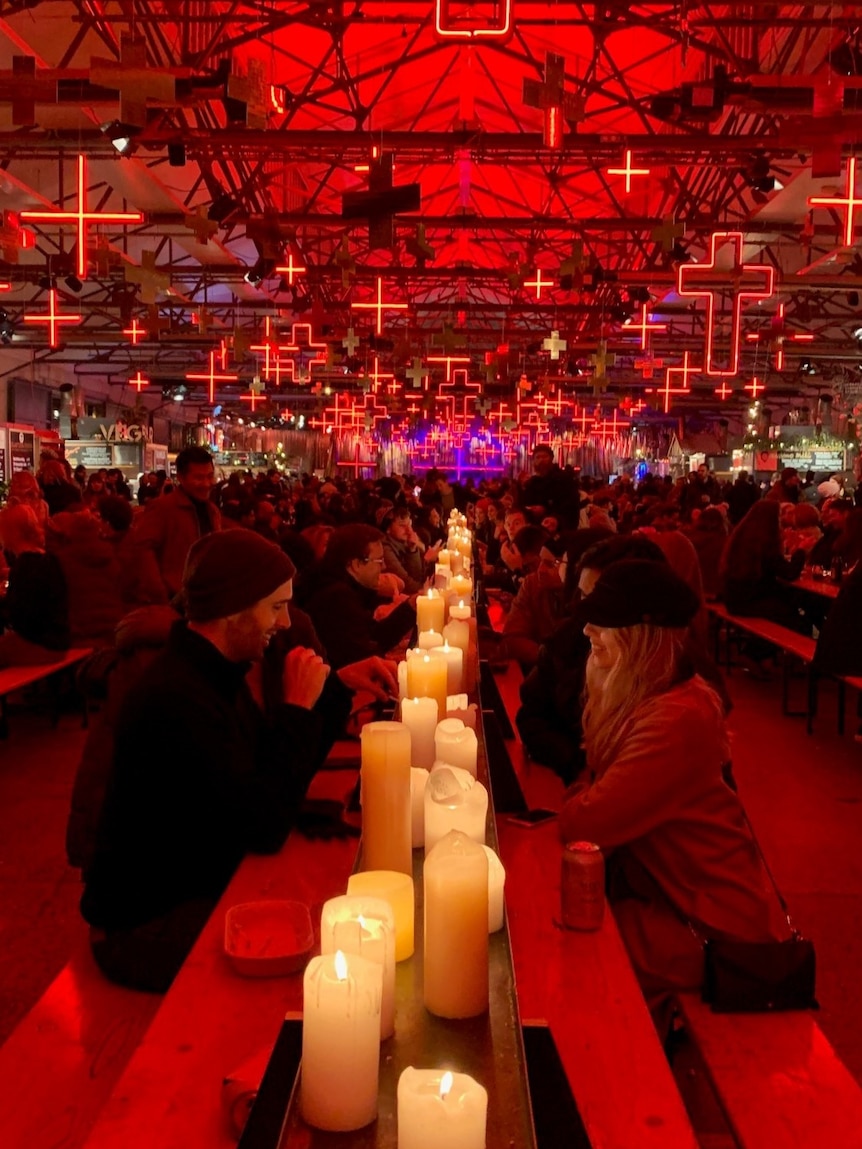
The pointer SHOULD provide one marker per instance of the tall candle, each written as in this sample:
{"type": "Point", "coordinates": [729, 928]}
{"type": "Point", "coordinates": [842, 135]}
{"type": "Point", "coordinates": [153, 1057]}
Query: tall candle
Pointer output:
{"type": "Point", "coordinates": [418, 780]}
{"type": "Point", "coordinates": [430, 611]}
{"type": "Point", "coordinates": [385, 797]}
{"type": "Point", "coordinates": [457, 745]}
{"type": "Point", "coordinates": [454, 800]}
{"type": "Point", "coordinates": [456, 559]}
{"type": "Point", "coordinates": [453, 656]}
{"type": "Point", "coordinates": [426, 678]}
{"type": "Point", "coordinates": [428, 639]}
{"type": "Point", "coordinates": [440, 1110]}
{"type": "Point", "coordinates": [364, 926]}
{"type": "Point", "coordinates": [496, 884]}
{"type": "Point", "coordinates": [456, 928]}
{"type": "Point", "coordinates": [419, 715]}
{"type": "Point", "coordinates": [460, 610]}
{"type": "Point", "coordinates": [397, 890]}
{"type": "Point", "coordinates": [340, 1042]}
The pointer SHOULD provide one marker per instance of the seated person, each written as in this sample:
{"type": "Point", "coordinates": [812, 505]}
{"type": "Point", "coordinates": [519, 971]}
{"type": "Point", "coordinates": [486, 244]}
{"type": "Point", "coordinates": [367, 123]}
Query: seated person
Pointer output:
{"type": "Point", "coordinates": [708, 535]}
{"type": "Point", "coordinates": [654, 795]}
{"type": "Point", "coordinates": [35, 609]}
{"type": "Point", "coordinates": [803, 532]}
{"type": "Point", "coordinates": [404, 553]}
{"type": "Point", "coordinates": [537, 608]}
{"type": "Point", "coordinates": [351, 618]}
{"type": "Point", "coordinates": [93, 572]}
{"type": "Point", "coordinates": [833, 516]}
{"type": "Point", "coordinates": [839, 645]}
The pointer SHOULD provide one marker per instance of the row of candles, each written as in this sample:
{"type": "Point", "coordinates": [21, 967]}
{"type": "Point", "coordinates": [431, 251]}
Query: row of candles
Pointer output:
{"type": "Point", "coordinates": [419, 789]}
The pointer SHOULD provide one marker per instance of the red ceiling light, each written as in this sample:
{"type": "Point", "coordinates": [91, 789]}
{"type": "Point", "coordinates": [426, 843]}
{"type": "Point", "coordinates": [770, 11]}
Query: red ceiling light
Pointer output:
{"type": "Point", "coordinates": [628, 171]}
{"type": "Point", "coordinates": [212, 377]}
{"type": "Point", "coordinates": [849, 201]}
{"type": "Point", "coordinates": [644, 326]}
{"type": "Point", "coordinates": [82, 218]}
{"type": "Point", "coordinates": [53, 319]}
{"type": "Point", "coordinates": [380, 305]}
{"type": "Point", "coordinates": [748, 281]}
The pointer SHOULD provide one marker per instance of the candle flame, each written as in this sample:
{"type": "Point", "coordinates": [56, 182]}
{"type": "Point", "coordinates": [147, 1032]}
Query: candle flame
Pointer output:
{"type": "Point", "coordinates": [361, 921]}
{"type": "Point", "coordinates": [430, 593]}
{"type": "Point", "coordinates": [446, 1085]}
{"type": "Point", "coordinates": [340, 966]}
{"type": "Point", "coordinates": [426, 658]}
{"type": "Point", "coordinates": [461, 603]}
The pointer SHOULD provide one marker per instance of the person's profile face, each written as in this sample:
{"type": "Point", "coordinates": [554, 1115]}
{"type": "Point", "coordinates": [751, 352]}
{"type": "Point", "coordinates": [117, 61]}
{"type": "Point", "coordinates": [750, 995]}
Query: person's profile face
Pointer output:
{"type": "Point", "coordinates": [250, 632]}
{"type": "Point", "coordinates": [605, 650]}
{"type": "Point", "coordinates": [367, 570]}
{"type": "Point", "coordinates": [197, 481]}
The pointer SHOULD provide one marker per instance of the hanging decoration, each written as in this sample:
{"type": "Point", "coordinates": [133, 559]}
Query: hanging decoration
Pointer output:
{"type": "Point", "coordinates": [849, 201]}
{"type": "Point", "coordinates": [554, 344]}
{"type": "Point", "coordinates": [212, 376]}
{"type": "Point", "coordinates": [645, 326]}
{"type": "Point", "coordinates": [53, 319]}
{"type": "Point", "coordinates": [139, 381]}
{"type": "Point", "coordinates": [379, 306]}
{"type": "Point", "coordinates": [628, 171]}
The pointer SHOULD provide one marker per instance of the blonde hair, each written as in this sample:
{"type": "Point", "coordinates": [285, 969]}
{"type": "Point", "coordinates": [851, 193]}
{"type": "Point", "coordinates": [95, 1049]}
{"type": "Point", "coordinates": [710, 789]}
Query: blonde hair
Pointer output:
{"type": "Point", "coordinates": [19, 527]}
{"type": "Point", "coordinates": [648, 665]}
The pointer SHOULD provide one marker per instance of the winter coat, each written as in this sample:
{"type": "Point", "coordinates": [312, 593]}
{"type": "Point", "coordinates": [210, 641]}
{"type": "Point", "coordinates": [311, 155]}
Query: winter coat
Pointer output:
{"type": "Point", "coordinates": [405, 561]}
{"type": "Point", "coordinates": [839, 647]}
{"type": "Point", "coordinates": [154, 553]}
{"type": "Point", "coordinates": [92, 570]}
{"type": "Point", "coordinates": [343, 615]}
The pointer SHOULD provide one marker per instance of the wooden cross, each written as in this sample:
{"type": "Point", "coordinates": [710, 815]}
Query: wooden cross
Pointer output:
{"type": "Point", "coordinates": [417, 374]}
{"type": "Point", "coordinates": [667, 233]}
{"type": "Point", "coordinates": [54, 319]}
{"type": "Point", "coordinates": [601, 360]}
{"type": "Point", "coordinates": [25, 90]}
{"type": "Point", "coordinates": [572, 268]}
{"type": "Point", "coordinates": [137, 81]}
{"type": "Point", "coordinates": [212, 376]}
{"type": "Point", "coordinates": [380, 305]}
{"type": "Point", "coordinates": [150, 281]}
{"type": "Point", "coordinates": [554, 344]}
{"type": "Point", "coordinates": [200, 225]}
{"type": "Point", "coordinates": [350, 342]}
{"type": "Point", "coordinates": [449, 339]}
{"type": "Point", "coordinates": [247, 97]}
{"type": "Point", "coordinates": [558, 106]}
{"type": "Point", "coordinates": [154, 322]}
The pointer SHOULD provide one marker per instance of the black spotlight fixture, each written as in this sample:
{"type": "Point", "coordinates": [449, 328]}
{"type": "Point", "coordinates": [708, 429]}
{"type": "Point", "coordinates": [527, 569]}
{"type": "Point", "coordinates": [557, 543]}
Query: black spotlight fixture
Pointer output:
{"type": "Point", "coordinates": [46, 281]}
{"type": "Point", "coordinates": [7, 327]}
{"type": "Point", "coordinates": [73, 283]}
{"type": "Point", "coordinates": [262, 269]}
{"type": "Point", "coordinates": [122, 136]}
{"type": "Point", "coordinates": [223, 206]}
{"type": "Point", "coordinates": [846, 59]}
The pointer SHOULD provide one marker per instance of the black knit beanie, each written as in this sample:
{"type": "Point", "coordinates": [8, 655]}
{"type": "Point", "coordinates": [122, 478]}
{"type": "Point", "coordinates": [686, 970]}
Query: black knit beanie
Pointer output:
{"type": "Point", "coordinates": [229, 571]}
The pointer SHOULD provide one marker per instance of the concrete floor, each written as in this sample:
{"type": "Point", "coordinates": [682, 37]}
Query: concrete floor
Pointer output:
{"type": "Point", "coordinates": [803, 796]}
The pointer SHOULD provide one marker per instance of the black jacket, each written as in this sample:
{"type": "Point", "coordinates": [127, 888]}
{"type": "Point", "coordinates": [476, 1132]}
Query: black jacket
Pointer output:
{"type": "Point", "coordinates": [839, 647]}
{"type": "Point", "coordinates": [199, 778]}
{"type": "Point", "coordinates": [343, 615]}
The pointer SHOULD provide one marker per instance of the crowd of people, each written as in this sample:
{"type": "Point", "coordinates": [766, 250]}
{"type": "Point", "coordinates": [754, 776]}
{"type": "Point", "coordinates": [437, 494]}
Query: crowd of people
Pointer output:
{"type": "Point", "coordinates": [241, 626]}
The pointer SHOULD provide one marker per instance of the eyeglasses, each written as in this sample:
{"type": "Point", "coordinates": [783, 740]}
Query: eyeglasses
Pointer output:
{"type": "Point", "coordinates": [380, 561]}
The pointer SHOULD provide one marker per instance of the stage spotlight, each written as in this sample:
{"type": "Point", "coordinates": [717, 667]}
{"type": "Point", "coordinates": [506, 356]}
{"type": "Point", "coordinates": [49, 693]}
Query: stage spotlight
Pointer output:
{"type": "Point", "coordinates": [73, 283]}
{"type": "Point", "coordinates": [222, 206]}
{"type": "Point", "coordinates": [262, 269]}
{"type": "Point", "coordinates": [121, 135]}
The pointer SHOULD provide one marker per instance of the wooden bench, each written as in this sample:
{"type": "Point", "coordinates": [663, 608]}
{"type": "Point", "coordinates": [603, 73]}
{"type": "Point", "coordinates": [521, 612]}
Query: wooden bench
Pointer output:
{"type": "Point", "coordinates": [15, 678]}
{"type": "Point", "coordinates": [59, 1065]}
{"type": "Point", "coordinates": [777, 1079]}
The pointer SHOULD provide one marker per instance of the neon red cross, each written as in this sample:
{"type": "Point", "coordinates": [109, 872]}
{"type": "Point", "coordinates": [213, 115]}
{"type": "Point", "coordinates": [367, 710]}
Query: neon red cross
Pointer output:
{"type": "Point", "coordinates": [380, 306]}
{"type": "Point", "coordinates": [645, 327]}
{"type": "Point", "coordinates": [54, 319]}
{"type": "Point", "coordinates": [139, 381]}
{"type": "Point", "coordinates": [747, 281]}
{"type": "Point", "coordinates": [724, 391]}
{"type": "Point", "coordinates": [755, 387]}
{"type": "Point", "coordinates": [291, 269]}
{"type": "Point", "coordinates": [628, 171]}
{"type": "Point", "coordinates": [849, 201]}
{"type": "Point", "coordinates": [538, 283]}
{"type": "Point", "coordinates": [684, 370]}
{"type": "Point", "coordinates": [270, 347]}
{"type": "Point", "coordinates": [610, 428]}
{"type": "Point", "coordinates": [82, 217]}
{"type": "Point", "coordinates": [253, 397]}
{"type": "Point", "coordinates": [377, 375]}
{"type": "Point", "coordinates": [212, 377]}
{"type": "Point", "coordinates": [356, 464]}
{"type": "Point", "coordinates": [580, 417]}
{"type": "Point", "coordinates": [778, 336]}
{"type": "Point", "coordinates": [448, 360]}
{"type": "Point", "coordinates": [308, 344]}
{"type": "Point", "coordinates": [135, 333]}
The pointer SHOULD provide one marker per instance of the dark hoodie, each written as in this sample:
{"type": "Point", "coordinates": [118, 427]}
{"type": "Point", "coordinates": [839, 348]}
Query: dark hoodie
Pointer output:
{"type": "Point", "coordinates": [92, 570]}
{"type": "Point", "coordinates": [343, 615]}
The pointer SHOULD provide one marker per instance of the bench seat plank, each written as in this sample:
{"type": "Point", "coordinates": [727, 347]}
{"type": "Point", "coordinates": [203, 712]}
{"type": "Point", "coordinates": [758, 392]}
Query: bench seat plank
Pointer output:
{"type": "Point", "coordinates": [583, 986]}
{"type": "Point", "coordinates": [778, 1079]}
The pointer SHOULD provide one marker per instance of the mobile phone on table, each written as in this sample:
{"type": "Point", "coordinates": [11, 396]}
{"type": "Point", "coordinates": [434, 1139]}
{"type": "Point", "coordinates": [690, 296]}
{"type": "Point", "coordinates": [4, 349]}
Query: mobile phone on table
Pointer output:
{"type": "Point", "coordinates": [531, 818]}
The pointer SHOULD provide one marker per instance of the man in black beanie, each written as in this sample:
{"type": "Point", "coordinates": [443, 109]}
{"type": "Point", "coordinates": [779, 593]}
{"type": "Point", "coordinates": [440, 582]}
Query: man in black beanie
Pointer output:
{"type": "Point", "coordinates": [200, 775]}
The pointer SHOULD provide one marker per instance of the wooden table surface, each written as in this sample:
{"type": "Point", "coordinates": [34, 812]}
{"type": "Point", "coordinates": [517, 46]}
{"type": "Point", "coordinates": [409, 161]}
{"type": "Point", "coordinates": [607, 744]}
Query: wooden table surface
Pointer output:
{"type": "Point", "coordinates": [825, 587]}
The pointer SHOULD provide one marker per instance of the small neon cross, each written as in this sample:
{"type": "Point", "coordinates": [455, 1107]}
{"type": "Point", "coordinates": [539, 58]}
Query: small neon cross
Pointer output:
{"type": "Point", "coordinates": [538, 283]}
{"type": "Point", "coordinates": [291, 269]}
{"type": "Point", "coordinates": [448, 360]}
{"type": "Point", "coordinates": [380, 306]}
{"type": "Point", "coordinates": [755, 387]}
{"type": "Point", "coordinates": [139, 381]}
{"type": "Point", "coordinates": [850, 202]}
{"type": "Point", "coordinates": [135, 333]}
{"type": "Point", "coordinates": [54, 319]}
{"type": "Point", "coordinates": [254, 397]}
{"type": "Point", "coordinates": [645, 327]}
{"type": "Point", "coordinates": [82, 217]}
{"type": "Point", "coordinates": [628, 171]}
{"type": "Point", "coordinates": [724, 391]}
{"type": "Point", "coordinates": [684, 371]}
{"type": "Point", "coordinates": [647, 366]}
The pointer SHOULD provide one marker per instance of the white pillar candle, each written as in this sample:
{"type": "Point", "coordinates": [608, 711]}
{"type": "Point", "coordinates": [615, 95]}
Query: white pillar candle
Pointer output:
{"type": "Point", "coordinates": [456, 560]}
{"type": "Point", "coordinates": [397, 890]}
{"type": "Point", "coordinates": [440, 1110]}
{"type": "Point", "coordinates": [419, 715]}
{"type": "Point", "coordinates": [385, 796]}
{"type": "Point", "coordinates": [443, 558]}
{"type": "Point", "coordinates": [460, 587]}
{"type": "Point", "coordinates": [457, 745]}
{"type": "Point", "coordinates": [457, 633]}
{"type": "Point", "coordinates": [460, 610]}
{"type": "Point", "coordinates": [340, 1042]}
{"type": "Point", "coordinates": [496, 884]}
{"type": "Point", "coordinates": [418, 779]}
{"type": "Point", "coordinates": [426, 678]}
{"type": "Point", "coordinates": [428, 639]}
{"type": "Point", "coordinates": [430, 611]}
{"type": "Point", "coordinates": [453, 656]}
{"type": "Point", "coordinates": [459, 706]}
{"type": "Point", "coordinates": [442, 577]}
{"type": "Point", "coordinates": [456, 928]}
{"type": "Point", "coordinates": [364, 926]}
{"type": "Point", "coordinates": [454, 800]}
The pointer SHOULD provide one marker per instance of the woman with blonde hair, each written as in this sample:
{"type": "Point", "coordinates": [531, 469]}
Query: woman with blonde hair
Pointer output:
{"type": "Point", "coordinates": [657, 794]}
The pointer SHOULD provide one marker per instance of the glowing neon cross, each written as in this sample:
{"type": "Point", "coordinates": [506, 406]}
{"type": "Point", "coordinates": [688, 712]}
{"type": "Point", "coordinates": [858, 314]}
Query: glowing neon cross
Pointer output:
{"type": "Point", "coordinates": [212, 377]}
{"type": "Point", "coordinates": [447, 24]}
{"type": "Point", "coordinates": [270, 347]}
{"type": "Point", "coordinates": [778, 336]}
{"type": "Point", "coordinates": [628, 171]}
{"type": "Point", "coordinates": [135, 333]}
{"type": "Point", "coordinates": [747, 281]}
{"type": "Point", "coordinates": [850, 202]}
{"type": "Point", "coordinates": [755, 387]}
{"type": "Point", "coordinates": [376, 375]}
{"type": "Point", "coordinates": [538, 283]}
{"type": "Point", "coordinates": [291, 269]}
{"type": "Point", "coordinates": [554, 344]}
{"type": "Point", "coordinates": [610, 428]}
{"type": "Point", "coordinates": [448, 360]}
{"type": "Point", "coordinates": [645, 327]}
{"type": "Point", "coordinates": [724, 391]}
{"type": "Point", "coordinates": [357, 464]}
{"type": "Point", "coordinates": [82, 217]}
{"type": "Point", "coordinates": [253, 397]}
{"type": "Point", "coordinates": [54, 319]}
{"type": "Point", "coordinates": [139, 381]}
{"type": "Point", "coordinates": [380, 306]}
{"type": "Point", "coordinates": [682, 371]}
{"type": "Point", "coordinates": [308, 345]}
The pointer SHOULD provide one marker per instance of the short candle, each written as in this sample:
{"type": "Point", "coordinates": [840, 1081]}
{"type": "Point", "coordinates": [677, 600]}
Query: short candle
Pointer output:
{"type": "Point", "coordinates": [440, 1110]}
{"type": "Point", "coordinates": [397, 890]}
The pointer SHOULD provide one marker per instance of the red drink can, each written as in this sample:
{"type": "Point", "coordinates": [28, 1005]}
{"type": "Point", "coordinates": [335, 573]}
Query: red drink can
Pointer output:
{"type": "Point", "coordinates": [582, 886]}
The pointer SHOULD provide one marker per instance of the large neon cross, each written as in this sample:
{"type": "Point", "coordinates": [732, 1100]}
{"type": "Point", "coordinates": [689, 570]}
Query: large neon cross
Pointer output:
{"type": "Point", "coordinates": [212, 377]}
{"type": "Point", "coordinates": [53, 319]}
{"type": "Point", "coordinates": [849, 201]}
{"type": "Point", "coordinates": [308, 345]}
{"type": "Point", "coordinates": [291, 269]}
{"type": "Point", "coordinates": [609, 428]}
{"type": "Point", "coordinates": [380, 305]}
{"type": "Point", "coordinates": [683, 371]}
{"type": "Point", "coordinates": [448, 360]}
{"type": "Point", "coordinates": [270, 346]}
{"type": "Point", "coordinates": [139, 381]}
{"type": "Point", "coordinates": [377, 375]}
{"type": "Point", "coordinates": [538, 283]}
{"type": "Point", "coordinates": [628, 171]}
{"type": "Point", "coordinates": [82, 218]}
{"type": "Point", "coordinates": [644, 326]}
{"type": "Point", "coordinates": [446, 24]}
{"type": "Point", "coordinates": [747, 281]}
